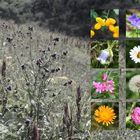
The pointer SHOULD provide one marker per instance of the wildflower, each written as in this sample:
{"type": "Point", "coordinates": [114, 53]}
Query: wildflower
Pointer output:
{"type": "Point", "coordinates": [97, 26]}
{"type": "Point", "coordinates": [134, 20]}
{"type": "Point", "coordinates": [104, 77]}
{"type": "Point", "coordinates": [110, 21]}
{"type": "Point", "coordinates": [135, 116]}
{"type": "Point", "coordinates": [111, 28]}
{"type": "Point", "coordinates": [100, 21]}
{"type": "Point", "coordinates": [105, 86]}
{"type": "Point", "coordinates": [103, 56]}
{"type": "Point", "coordinates": [134, 83]}
{"type": "Point", "coordinates": [105, 115]}
{"type": "Point", "coordinates": [92, 33]}
{"type": "Point", "coordinates": [135, 54]}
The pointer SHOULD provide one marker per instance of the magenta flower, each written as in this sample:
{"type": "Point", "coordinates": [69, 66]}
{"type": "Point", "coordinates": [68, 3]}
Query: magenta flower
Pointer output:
{"type": "Point", "coordinates": [104, 77]}
{"type": "Point", "coordinates": [135, 116]}
{"type": "Point", "coordinates": [105, 86]}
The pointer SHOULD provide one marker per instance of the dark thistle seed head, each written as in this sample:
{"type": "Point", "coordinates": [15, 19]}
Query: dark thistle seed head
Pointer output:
{"type": "Point", "coordinates": [9, 39]}
{"type": "Point", "coordinates": [65, 53]}
{"type": "Point", "coordinates": [28, 121]}
{"type": "Point", "coordinates": [43, 51]}
{"type": "Point", "coordinates": [54, 56]}
{"type": "Point", "coordinates": [49, 49]}
{"type": "Point", "coordinates": [23, 67]}
{"type": "Point", "coordinates": [9, 88]}
{"type": "Point", "coordinates": [27, 84]}
{"type": "Point", "coordinates": [57, 69]}
{"type": "Point", "coordinates": [53, 71]}
{"type": "Point", "coordinates": [70, 82]}
{"type": "Point", "coordinates": [39, 62]}
{"type": "Point", "coordinates": [65, 84]}
{"type": "Point", "coordinates": [56, 39]}
{"type": "Point", "coordinates": [30, 28]}
{"type": "Point", "coordinates": [53, 95]}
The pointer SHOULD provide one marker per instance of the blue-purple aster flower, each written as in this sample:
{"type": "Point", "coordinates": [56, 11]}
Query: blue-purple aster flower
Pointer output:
{"type": "Point", "coordinates": [134, 20]}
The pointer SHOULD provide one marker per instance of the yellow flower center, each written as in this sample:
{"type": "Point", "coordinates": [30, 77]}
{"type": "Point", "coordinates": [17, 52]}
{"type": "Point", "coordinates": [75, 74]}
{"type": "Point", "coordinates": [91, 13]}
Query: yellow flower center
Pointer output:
{"type": "Point", "coordinates": [138, 55]}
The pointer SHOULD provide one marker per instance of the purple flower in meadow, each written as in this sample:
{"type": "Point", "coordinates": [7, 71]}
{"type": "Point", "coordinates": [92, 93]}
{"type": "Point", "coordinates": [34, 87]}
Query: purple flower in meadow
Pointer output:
{"type": "Point", "coordinates": [134, 20]}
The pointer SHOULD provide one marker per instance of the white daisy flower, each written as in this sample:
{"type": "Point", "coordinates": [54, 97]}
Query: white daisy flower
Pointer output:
{"type": "Point", "coordinates": [134, 83]}
{"type": "Point", "coordinates": [103, 56]}
{"type": "Point", "coordinates": [135, 54]}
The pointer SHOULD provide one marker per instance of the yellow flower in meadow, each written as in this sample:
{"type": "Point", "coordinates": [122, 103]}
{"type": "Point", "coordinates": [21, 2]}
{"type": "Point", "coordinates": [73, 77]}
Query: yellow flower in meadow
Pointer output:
{"type": "Point", "coordinates": [100, 21]}
{"type": "Point", "coordinates": [105, 115]}
{"type": "Point", "coordinates": [97, 26]}
{"type": "Point", "coordinates": [110, 21]}
{"type": "Point", "coordinates": [92, 33]}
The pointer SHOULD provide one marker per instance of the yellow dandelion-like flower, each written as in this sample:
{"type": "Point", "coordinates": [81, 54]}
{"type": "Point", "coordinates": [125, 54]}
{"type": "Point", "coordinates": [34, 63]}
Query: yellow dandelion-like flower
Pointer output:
{"type": "Point", "coordinates": [105, 115]}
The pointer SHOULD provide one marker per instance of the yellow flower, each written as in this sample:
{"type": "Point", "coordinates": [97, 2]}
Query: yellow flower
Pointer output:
{"type": "Point", "coordinates": [100, 21]}
{"type": "Point", "coordinates": [97, 26]}
{"type": "Point", "coordinates": [116, 32]}
{"type": "Point", "coordinates": [111, 28]}
{"type": "Point", "coordinates": [105, 115]}
{"type": "Point", "coordinates": [92, 33]}
{"type": "Point", "coordinates": [116, 29]}
{"type": "Point", "coordinates": [110, 21]}
{"type": "Point", "coordinates": [116, 35]}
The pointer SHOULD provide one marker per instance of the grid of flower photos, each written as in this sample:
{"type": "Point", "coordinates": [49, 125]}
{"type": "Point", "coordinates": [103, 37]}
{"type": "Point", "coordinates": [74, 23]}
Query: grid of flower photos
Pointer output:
{"type": "Point", "coordinates": [115, 70]}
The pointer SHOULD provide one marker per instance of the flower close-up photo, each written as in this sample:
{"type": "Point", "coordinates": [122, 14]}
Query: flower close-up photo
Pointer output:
{"type": "Point", "coordinates": [104, 24]}
{"type": "Point", "coordinates": [105, 84]}
{"type": "Point", "coordinates": [104, 54]}
{"type": "Point", "coordinates": [133, 23]}
{"type": "Point", "coordinates": [133, 115]}
{"type": "Point", "coordinates": [132, 53]}
{"type": "Point", "coordinates": [104, 116]}
{"type": "Point", "coordinates": [133, 84]}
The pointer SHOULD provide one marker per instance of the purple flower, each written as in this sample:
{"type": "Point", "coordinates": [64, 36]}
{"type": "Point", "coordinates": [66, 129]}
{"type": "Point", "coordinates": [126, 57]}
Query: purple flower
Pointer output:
{"type": "Point", "coordinates": [134, 20]}
{"type": "Point", "coordinates": [103, 56]}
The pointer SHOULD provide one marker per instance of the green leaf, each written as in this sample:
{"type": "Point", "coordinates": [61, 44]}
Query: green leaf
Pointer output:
{"type": "Point", "coordinates": [93, 14]}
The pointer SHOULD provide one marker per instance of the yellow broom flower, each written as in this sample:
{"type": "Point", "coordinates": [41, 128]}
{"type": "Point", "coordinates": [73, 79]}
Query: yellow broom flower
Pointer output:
{"type": "Point", "coordinates": [111, 28]}
{"type": "Point", "coordinates": [97, 26]}
{"type": "Point", "coordinates": [105, 115]}
{"type": "Point", "coordinates": [110, 21]}
{"type": "Point", "coordinates": [100, 21]}
{"type": "Point", "coordinates": [116, 32]}
{"type": "Point", "coordinates": [92, 33]}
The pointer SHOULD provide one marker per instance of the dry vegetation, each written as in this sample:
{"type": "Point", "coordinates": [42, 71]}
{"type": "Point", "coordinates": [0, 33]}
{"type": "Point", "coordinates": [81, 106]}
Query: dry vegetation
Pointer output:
{"type": "Point", "coordinates": [43, 87]}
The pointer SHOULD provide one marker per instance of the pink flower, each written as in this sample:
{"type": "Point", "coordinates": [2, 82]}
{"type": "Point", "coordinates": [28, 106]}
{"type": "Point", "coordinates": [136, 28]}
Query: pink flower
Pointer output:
{"type": "Point", "coordinates": [107, 86]}
{"type": "Point", "coordinates": [104, 77]}
{"type": "Point", "coordinates": [135, 116]}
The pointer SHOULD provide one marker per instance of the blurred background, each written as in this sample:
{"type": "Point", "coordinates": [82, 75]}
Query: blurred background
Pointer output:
{"type": "Point", "coordinates": [69, 16]}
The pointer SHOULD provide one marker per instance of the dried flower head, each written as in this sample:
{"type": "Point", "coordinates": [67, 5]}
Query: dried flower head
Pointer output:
{"type": "Point", "coordinates": [134, 83]}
